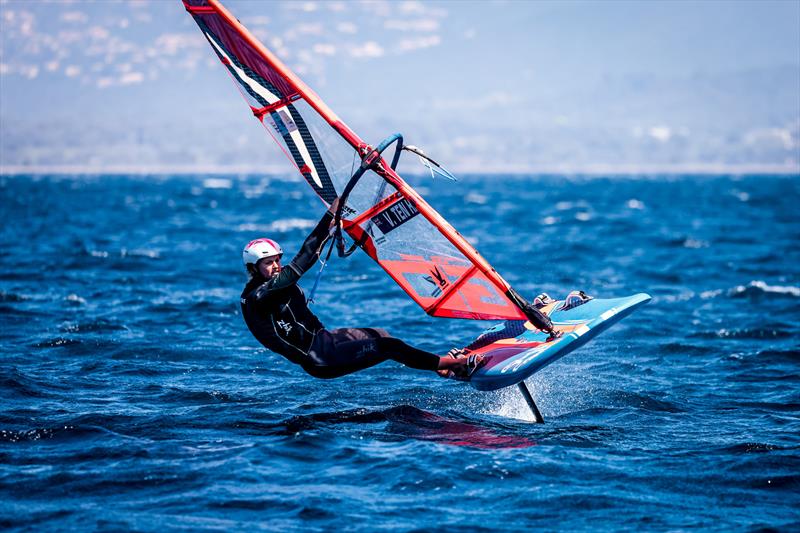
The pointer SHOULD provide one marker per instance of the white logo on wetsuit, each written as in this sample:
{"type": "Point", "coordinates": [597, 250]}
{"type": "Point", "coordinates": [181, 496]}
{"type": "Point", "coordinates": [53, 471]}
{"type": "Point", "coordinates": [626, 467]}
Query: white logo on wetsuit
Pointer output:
{"type": "Point", "coordinates": [285, 326]}
{"type": "Point", "coordinates": [367, 349]}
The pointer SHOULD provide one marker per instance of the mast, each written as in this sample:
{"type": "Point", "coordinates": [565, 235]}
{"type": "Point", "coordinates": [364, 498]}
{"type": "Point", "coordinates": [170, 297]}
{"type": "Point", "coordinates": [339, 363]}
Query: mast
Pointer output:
{"type": "Point", "coordinates": [528, 311]}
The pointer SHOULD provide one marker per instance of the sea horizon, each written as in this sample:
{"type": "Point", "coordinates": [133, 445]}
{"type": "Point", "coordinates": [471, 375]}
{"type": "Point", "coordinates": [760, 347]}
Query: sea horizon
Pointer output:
{"type": "Point", "coordinates": [280, 169]}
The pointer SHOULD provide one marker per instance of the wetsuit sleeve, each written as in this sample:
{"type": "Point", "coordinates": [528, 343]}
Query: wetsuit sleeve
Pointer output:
{"type": "Point", "coordinates": [309, 252]}
{"type": "Point", "coordinates": [305, 259]}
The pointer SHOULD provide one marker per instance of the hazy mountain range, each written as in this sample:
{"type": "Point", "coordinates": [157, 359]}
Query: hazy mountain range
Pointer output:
{"type": "Point", "coordinates": [135, 87]}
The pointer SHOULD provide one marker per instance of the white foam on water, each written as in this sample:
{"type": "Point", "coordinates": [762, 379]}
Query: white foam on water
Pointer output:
{"type": "Point", "coordinates": [511, 403]}
{"type": "Point", "coordinates": [288, 224]}
{"type": "Point", "coordinates": [282, 225]}
{"type": "Point", "coordinates": [707, 295]}
{"type": "Point", "coordinates": [140, 252]}
{"type": "Point", "coordinates": [217, 183]}
{"type": "Point", "coordinates": [695, 243]}
{"type": "Point", "coordinates": [681, 297]}
{"type": "Point", "coordinates": [475, 198]}
{"type": "Point", "coordinates": [633, 203]}
{"type": "Point", "coordinates": [741, 195]}
{"type": "Point", "coordinates": [74, 298]}
{"type": "Point", "coordinates": [774, 289]}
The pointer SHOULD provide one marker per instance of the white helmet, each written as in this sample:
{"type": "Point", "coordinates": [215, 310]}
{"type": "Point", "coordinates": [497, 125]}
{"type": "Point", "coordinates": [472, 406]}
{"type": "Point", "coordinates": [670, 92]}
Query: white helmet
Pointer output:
{"type": "Point", "coordinates": [259, 249]}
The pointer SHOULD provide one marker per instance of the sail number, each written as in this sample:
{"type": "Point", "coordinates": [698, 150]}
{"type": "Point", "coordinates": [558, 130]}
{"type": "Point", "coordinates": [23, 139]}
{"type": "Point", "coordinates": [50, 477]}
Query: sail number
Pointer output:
{"type": "Point", "coordinates": [395, 215]}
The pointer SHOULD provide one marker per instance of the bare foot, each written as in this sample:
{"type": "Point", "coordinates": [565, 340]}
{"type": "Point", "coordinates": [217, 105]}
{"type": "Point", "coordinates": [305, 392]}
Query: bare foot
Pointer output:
{"type": "Point", "coordinates": [446, 362]}
{"type": "Point", "coordinates": [459, 364]}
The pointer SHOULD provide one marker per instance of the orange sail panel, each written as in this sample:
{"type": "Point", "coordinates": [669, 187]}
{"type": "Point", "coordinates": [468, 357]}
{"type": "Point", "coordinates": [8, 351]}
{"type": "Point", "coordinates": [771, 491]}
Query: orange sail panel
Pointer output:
{"type": "Point", "coordinates": [430, 261]}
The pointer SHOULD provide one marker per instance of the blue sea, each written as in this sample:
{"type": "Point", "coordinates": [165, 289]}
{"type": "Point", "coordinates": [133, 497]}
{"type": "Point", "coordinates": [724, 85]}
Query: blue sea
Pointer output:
{"type": "Point", "coordinates": [132, 396]}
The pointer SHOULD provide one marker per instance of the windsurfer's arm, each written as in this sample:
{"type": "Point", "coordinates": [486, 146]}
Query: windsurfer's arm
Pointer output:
{"type": "Point", "coordinates": [309, 252]}
{"type": "Point", "coordinates": [305, 258]}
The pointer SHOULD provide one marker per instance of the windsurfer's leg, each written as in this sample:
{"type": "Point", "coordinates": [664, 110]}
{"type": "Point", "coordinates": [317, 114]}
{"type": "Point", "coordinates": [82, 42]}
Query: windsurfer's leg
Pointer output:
{"type": "Point", "coordinates": [352, 356]}
{"type": "Point", "coordinates": [403, 353]}
{"type": "Point", "coordinates": [378, 350]}
{"type": "Point", "coordinates": [356, 349]}
{"type": "Point", "coordinates": [339, 352]}
{"type": "Point", "coordinates": [343, 369]}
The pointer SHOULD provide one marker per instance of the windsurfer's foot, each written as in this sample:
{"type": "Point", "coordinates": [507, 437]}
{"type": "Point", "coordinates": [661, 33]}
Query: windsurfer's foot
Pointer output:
{"type": "Point", "coordinates": [574, 299]}
{"type": "Point", "coordinates": [542, 300]}
{"type": "Point", "coordinates": [554, 335]}
{"type": "Point", "coordinates": [460, 364]}
{"type": "Point", "coordinates": [446, 361]}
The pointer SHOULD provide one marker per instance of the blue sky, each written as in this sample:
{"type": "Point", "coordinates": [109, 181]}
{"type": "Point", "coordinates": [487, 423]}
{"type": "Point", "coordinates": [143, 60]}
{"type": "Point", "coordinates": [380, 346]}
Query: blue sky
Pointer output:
{"type": "Point", "coordinates": [482, 86]}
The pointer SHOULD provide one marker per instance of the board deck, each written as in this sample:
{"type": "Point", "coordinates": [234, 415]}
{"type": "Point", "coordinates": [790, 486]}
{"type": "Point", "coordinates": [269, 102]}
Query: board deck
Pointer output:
{"type": "Point", "coordinates": [516, 350]}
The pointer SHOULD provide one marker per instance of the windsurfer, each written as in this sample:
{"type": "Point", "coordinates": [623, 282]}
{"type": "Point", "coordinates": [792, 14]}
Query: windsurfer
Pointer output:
{"type": "Point", "coordinates": [277, 314]}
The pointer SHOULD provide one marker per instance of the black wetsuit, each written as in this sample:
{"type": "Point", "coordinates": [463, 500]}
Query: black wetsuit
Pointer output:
{"type": "Point", "coordinates": [276, 312]}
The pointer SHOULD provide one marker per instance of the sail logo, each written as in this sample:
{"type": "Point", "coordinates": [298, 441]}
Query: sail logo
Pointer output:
{"type": "Point", "coordinates": [438, 280]}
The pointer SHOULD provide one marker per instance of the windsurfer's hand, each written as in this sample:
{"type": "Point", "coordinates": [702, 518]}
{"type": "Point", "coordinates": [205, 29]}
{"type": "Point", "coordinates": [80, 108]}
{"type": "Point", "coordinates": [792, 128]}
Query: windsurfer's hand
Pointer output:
{"type": "Point", "coordinates": [334, 206]}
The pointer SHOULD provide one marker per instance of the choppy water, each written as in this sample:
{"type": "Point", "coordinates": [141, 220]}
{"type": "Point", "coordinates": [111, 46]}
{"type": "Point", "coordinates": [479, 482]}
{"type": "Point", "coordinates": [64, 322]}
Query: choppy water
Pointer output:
{"type": "Point", "coordinates": [133, 397]}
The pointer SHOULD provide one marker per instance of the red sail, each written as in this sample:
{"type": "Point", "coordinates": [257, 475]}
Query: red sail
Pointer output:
{"type": "Point", "coordinates": [431, 261]}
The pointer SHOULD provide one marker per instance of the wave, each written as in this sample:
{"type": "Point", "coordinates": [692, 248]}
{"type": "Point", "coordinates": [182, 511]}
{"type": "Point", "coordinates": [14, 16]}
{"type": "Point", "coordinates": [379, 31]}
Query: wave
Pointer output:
{"type": "Point", "coordinates": [8, 310]}
{"type": "Point", "coordinates": [780, 356]}
{"type": "Point", "coordinates": [14, 381]}
{"type": "Point", "coordinates": [8, 275]}
{"type": "Point", "coordinates": [25, 521]}
{"type": "Point", "coordinates": [686, 349]}
{"type": "Point", "coordinates": [685, 241]}
{"type": "Point", "coordinates": [175, 395]}
{"type": "Point", "coordinates": [767, 331]}
{"type": "Point", "coordinates": [754, 289]}
{"type": "Point", "coordinates": [267, 505]}
{"type": "Point", "coordinates": [765, 374]}
{"type": "Point", "coordinates": [57, 342]}
{"type": "Point", "coordinates": [771, 482]}
{"type": "Point", "coordinates": [122, 253]}
{"type": "Point", "coordinates": [772, 407]}
{"type": "Point", "coordinates": [47, 433]}
{"type": "Point", "coordinates": [12, 297]}
{"type": "Point", "coordinates": [695, 243]}
{"type": "Point", "coordinates": [751, 447]}
{"type": "Point", "coordinates": [74, 300]}
{"type": "Point", "coordinates": [759, 288]}
{"type": "Point", "coordinates": [645, 402]}
{"type": "Point", "coordinates": [283, 225]}
{"type": "Point", "coordinates": [403, 421]}
{"type": "Point", "coordinates": [150, 352]}
{"type": "Point", "coordinates": [99, 325]}
{"type": "Point", "coordinates": [633, 203]}
{"type": "Point", "coordinates": [217, 183]}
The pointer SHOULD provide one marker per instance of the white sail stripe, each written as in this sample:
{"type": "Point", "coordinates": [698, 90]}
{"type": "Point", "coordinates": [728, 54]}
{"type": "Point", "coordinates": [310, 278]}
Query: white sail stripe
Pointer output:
{"type": "Point", "coordinates": [271, 98]}
{"type": "Point", "coordinates": [253, 84]}
{"type": "Point", "coordinates": [298, 141]}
